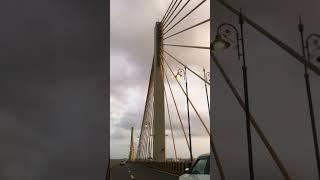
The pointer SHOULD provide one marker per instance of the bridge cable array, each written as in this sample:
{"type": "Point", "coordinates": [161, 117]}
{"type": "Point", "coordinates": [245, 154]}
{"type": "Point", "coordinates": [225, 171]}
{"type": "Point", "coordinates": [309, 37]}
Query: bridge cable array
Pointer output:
{"type": "Point", "coordinates": [186, 29]}
{"type": "Point", "coordinates": [165, 26]}
{"type": "Point", "coordinates": [184, 16]}
{"type": "Point", "coordinates": [187, 67]}
{"type": "Point", "coordinates": [147, 115]}
{"type": "Point", "coordinates": [166, 21]}
{"type": "Point", "coordinates": [203, 79]}
{"type": "Point", "coordinates": [167, 12]}
{"type": "Point", "coordinates": [238, 97]}
{"type": "Point", "coordinates": [252, 121]}
{"type": "Point", "coordinates": [172, 12]}
{"type": "Point", "coordinates": [174, 144]}
{"type": "Point", "coordinates": [201, 119]}
{"type": "Point", "coordinates": [217, 159]}
{"type": "Point", "coordinates": [268, 35]}
{"type": "Point", "coordinates": [179, 116]}
{"type": "Point", "coordinates": [186, 46]}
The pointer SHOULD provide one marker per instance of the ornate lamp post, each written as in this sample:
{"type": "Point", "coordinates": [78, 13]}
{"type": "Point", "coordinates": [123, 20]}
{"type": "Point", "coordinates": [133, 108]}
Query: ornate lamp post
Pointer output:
{"type": "Point", "coordinates": [222, 42]}
{"type": "Point", "coordinates": [306, 46]}
{"type": "Point", "coordinates": [183, 73]}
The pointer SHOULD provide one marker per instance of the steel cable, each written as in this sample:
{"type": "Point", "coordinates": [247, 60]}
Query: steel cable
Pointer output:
{"type": "Point", "coordinates": [174, 144]}
{"type": "Point", "coordinates": [172, 13]}
{"type": "Point", "coordinates": [179, 117]}
{"type": "Point", "coordinates": [186, 29]}
{"type": "Point", "coordinates": [253, 122]}
{"type": "Point", "coordinates": [185, 16]}
{"type": "Point", "coordinates": [219, 165]}
{"type": "Point", "coordinates": [187, 67]}
{"type": "Point", "coordinates": [165, 14]}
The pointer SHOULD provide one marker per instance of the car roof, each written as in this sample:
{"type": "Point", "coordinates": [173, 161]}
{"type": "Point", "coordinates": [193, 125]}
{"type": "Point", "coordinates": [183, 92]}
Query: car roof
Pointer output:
{"type": "Point", "coordinates": [204, 155]}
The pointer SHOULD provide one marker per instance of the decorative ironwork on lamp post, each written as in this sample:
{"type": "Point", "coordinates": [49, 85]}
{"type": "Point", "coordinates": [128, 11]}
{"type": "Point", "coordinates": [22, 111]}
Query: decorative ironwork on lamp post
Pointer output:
{"type": "Point", "coordinates": [305, 45]}
{"type": "Point", "coordinates": [222, 42]}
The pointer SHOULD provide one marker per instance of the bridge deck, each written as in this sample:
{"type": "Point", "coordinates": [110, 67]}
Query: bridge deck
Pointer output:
{"type": "Point", "coordinates": [138, 171]}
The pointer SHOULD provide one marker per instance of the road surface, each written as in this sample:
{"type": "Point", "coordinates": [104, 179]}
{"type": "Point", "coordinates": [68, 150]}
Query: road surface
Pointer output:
{"type": "Point", "coordinates": [137, 171]}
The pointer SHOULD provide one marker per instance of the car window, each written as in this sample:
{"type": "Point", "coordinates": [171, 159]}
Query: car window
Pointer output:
{"type": "Point", "coordinates": [207, 169]}
{"type": "Point", "coordinates": [200, 167]}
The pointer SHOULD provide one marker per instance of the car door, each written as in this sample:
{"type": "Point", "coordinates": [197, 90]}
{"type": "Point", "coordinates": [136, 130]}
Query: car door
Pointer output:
{"type": "Point", "coordinates": [199, 171]}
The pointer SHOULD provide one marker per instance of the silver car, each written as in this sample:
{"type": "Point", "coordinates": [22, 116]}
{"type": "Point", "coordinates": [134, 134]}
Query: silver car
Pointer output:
{"type": "Point", "coordinates": [200, 169]}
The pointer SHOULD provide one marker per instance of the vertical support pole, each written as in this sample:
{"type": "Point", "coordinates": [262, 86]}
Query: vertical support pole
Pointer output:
{"type": "Point", "coordinates": [246, 97]}
{"type": "Point", "coordinates": [159, 148]}
{"type": "Point", "coordinates": [205, 86]}
{"type": "Point", "coordinates": [108, 170]}
{"type": "Point", "coordinates": [189, 126]}
{"type": "Point", "coordinates": [307, 81]}
{"type": "Point", "coordinates": [131, 154]}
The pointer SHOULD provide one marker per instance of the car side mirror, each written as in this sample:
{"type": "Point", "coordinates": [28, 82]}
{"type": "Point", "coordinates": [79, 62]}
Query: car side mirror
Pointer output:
{"type": "Point", "coordinates": [187, 170]}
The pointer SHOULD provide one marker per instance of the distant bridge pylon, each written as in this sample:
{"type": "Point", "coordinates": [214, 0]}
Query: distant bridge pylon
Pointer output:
{"type": "Point", "coordinates": [131, 153]}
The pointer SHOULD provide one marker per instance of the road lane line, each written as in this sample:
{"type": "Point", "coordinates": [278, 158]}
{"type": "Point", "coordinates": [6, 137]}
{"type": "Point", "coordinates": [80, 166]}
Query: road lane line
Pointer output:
{"type": "Point", "coordinates": [129, 171]}
{"type": "Point", "coordinates": [164, 172]}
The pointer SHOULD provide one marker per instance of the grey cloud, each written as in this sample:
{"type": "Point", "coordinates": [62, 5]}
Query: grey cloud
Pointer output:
{"type": "Point", "coordinates": [53, 90]}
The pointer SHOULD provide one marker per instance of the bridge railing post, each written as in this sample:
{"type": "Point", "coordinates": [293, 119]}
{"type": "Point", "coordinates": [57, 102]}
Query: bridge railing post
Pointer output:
{"type": "Point", "coordinates": [176, 168]}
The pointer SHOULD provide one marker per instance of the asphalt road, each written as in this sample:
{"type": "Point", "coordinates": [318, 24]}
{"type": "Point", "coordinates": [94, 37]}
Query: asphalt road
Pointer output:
{"type": "Point", "coordinates": [138, 171]}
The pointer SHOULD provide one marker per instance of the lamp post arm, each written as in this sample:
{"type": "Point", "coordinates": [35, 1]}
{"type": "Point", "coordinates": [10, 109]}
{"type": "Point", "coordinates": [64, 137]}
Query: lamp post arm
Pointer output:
{"type": "Point", "coordinates": [308, 44]}
{"type": "Point", "coordinates": [219, 28]}
{"type": "Point", "coordinates": [227, 24]}
{"type": "Point", "coordinates": [312, 35]}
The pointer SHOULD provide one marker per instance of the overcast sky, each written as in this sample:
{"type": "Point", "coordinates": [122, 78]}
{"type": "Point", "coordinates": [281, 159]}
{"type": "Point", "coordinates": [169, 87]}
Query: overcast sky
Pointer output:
{"type": "Point", "coordinates": [132, 31]}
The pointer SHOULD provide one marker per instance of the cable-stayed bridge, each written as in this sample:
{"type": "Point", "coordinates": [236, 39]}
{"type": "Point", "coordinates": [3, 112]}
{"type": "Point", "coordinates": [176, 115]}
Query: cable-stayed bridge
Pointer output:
{"type": "Point", "coordinates": [151, 151]}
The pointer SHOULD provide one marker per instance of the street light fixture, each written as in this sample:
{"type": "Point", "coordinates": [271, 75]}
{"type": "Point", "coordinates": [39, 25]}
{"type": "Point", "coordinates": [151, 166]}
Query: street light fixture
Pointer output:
{"type": "Point", "coordinates": [221, 43]}
{"type": "Point", "coordinates": [306, 46]}
{"type": "Point", "coordinates": [180, 73]}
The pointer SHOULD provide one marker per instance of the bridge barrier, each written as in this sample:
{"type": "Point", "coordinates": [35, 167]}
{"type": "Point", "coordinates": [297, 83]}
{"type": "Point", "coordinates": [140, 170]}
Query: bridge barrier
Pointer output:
{"type": "Point", "coordinates": [173, 167]}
